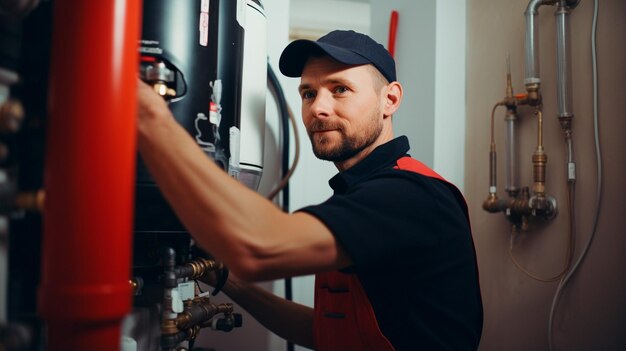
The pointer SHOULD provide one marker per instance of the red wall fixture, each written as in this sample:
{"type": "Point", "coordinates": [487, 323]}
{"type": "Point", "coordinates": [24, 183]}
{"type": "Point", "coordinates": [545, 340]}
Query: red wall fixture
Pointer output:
{"type": "Point", "coordinates": [89, 174]}
{"type": "Point", "coordinates": [393, 31]}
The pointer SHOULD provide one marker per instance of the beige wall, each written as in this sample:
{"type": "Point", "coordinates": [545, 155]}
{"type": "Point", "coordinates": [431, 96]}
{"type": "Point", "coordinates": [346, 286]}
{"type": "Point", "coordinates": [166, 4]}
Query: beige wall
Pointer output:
{"type": "Point", "coordinates": [592, 315]}
{"type": "Point", "coordinates": [592, 312]}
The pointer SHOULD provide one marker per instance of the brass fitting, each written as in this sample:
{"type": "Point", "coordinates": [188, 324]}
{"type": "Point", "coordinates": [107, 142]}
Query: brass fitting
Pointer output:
{"type": "Point", "coordinates": [193, 332]}
{"type": "Point", "coordinates": [519, 210]}
{"type": "Point", "coordinates": [566, 122]}
{"type": "Point", "coordinates": [520, 206]}
{"type": "Point", "coordinates": [199, 311]}
{"type": "Point", "coordinates": [31, 200]}
{"type": "Point", "coordinates": [11, 116]}
{"type": "Point", "coordinates": [533, 97]}
{"type": "Point", "coordinates": [491, 203]}
{"type": "Point", "coordinates": [201, 265]}
{"type": "Point", "coordinates": [540, 159]}
{"type": "Point", "coordinates": [168, 327]}
{"type": "Point", "coordinates": [4, 151]}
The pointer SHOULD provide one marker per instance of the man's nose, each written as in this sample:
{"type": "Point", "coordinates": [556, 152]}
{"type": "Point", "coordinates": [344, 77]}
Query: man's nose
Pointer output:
{"type": "Point", "coordinates": [322, 105]}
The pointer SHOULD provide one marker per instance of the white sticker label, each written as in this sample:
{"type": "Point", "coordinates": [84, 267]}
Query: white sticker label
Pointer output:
{"type": "Point", "coordinates": [204, 29]}
{"type": "Point", "coordinates": [571, 171]}
{"type": "Point", "coordinates": [186, 290]}
{"type": "Point", "coordinates": [177, 302]}
{"type": "Point", "coordinates": [203, 25]}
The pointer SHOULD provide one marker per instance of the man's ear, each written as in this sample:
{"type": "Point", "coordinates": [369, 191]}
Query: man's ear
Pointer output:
{"type": "Point", "coordinates": [392, 98]}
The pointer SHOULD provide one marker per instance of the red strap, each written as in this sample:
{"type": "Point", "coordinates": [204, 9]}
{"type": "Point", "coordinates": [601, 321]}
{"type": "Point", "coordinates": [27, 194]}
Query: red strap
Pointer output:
{"type": "Point", "coordinates": [410, 164]}
{"type": "Point", "coordinates": [344, 317]}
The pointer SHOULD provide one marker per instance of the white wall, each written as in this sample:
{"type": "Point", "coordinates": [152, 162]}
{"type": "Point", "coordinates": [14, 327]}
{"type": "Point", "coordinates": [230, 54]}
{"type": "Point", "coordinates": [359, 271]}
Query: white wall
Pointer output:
{"type": "Point", "coordinates": [449, 143]}
{"type": "Point", "coordinates": [430, 64]}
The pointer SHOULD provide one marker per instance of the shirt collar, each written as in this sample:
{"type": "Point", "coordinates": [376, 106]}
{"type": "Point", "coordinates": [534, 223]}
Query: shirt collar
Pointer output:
{"type": "Point", "coordinates": [383, 156]}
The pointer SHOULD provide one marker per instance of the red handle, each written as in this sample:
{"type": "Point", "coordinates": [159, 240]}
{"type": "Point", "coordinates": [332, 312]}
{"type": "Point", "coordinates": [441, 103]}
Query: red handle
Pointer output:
{"type": "Point", "coordinates": [393, 29]}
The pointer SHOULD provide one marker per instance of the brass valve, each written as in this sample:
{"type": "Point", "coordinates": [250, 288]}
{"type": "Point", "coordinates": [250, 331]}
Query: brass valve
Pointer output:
{"type": "Point", "coordinates": [533, 97]}
{"type": "Point", "coordinates": [11, 116]}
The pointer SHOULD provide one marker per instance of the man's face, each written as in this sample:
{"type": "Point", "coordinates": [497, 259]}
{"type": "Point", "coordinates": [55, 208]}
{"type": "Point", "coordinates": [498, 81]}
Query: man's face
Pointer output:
{"type": "Point", "coordinates": [341, 109]}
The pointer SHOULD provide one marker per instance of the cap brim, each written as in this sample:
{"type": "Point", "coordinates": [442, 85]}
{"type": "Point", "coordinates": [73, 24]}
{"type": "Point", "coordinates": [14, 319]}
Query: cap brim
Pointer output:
{"type": "Point", "coordinates": [296, 54]}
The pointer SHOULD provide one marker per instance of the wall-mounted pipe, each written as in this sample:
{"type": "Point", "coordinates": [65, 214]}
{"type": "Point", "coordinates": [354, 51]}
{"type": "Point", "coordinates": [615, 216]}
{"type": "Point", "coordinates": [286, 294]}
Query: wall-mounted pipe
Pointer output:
{"type": "Point", "coordinates": [89, 176]}
{"type": "Point", "coordinates": [563, 67]}
{"type": "Point", "coordinates": [512, 185]}
{"type": "Point", "coordinates": [532, 41]}
{"type": "Point", "coordinates": [533, 78]}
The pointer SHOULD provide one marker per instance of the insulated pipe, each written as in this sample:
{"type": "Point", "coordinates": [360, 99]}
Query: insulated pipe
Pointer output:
{"type": "Point", "coordinates": [89, 175]}
{"type": "Point", "coordinates": [511, 153]}
{"type": "Point", "coordinates": [563, 67]}
{"type": "Point", "coordinates": [532, 42]}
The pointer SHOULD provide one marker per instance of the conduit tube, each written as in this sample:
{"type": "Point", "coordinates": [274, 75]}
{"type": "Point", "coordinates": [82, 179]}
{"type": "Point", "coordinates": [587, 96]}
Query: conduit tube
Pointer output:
{"type": "Point", "coordinates": [563, 67]}
{"type": "Point", "coordinates": [532, 80]}
{"type": "Point", "coordinates": [510, 102]}
{"type": "Point", "coordinates": [532, 42]}
{"type": "Point", "coordinates": [512, 187]}
{"type": "Point", "coordinates": [89, 175]}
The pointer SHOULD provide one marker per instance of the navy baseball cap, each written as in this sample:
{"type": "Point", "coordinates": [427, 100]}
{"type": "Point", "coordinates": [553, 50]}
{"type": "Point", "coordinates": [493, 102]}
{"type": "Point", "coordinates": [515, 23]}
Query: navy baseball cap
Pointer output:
{"type": "Point", "coordinates": [345, 46]}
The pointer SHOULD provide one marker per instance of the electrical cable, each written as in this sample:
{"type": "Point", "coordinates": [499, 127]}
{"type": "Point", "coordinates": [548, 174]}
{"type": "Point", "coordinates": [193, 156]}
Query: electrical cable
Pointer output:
{"type": "Point", "coordinates": [284, 111]}
{"type": "Point", "coordinates": [286, 117]}
{"type": "Point", "coordinates": [568, 259]}
{"type": "Point", "coordinates": [598, 150]}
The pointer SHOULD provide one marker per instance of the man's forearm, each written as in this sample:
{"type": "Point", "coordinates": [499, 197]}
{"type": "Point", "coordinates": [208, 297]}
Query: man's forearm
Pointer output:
{"type": "Point", "coordinates": [287, 319]}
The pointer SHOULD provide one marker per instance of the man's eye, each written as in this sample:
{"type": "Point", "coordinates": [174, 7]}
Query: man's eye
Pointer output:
{"type": "Point", "coordinates": [307, 95]}
{"type": "Point", "coordinates": [340, 90]}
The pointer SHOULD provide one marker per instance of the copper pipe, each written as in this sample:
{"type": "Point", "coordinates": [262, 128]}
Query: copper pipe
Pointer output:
{"type": "Point", "coordinates": [511, 153]}
{"type": "Point", "coordinates": [492, 152]}
{"type": "Point", "coordinates": [540, 159]}
{"type": "Point", "coordinates": [199, 312]}
{"type": "Point", "coordinates": [31, 200]}
{"type": "Point", "coordinates": [28, 201]}
{"type": "Point", "coordinates": [564, 70]}
{"type": "Point", "coordinates": [493, 204]}
{"type": "Point", "coordinates": [11, 116]}
{"type": "Point", "coordinates": [201, 266]}
{"type": "Point", "coordinates": [532, 40]}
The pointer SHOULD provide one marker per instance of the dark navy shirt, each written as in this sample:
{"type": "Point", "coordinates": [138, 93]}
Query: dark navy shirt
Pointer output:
{"type": "Point", "coordinates": [410, 242]}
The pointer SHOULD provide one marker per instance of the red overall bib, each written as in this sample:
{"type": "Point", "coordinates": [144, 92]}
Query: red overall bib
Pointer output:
{"type": "Point", "coordinates": [344, 317]}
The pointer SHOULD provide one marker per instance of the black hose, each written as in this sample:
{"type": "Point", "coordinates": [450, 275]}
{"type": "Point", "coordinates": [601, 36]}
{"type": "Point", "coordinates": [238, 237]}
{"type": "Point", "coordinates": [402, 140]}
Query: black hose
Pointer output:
{"type": "Point", "coordinates": [283, 109]}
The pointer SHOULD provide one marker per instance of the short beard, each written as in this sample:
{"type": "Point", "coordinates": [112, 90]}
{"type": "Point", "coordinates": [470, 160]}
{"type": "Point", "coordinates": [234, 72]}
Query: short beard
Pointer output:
{"type": "Point", "coordinates": [350, 145]}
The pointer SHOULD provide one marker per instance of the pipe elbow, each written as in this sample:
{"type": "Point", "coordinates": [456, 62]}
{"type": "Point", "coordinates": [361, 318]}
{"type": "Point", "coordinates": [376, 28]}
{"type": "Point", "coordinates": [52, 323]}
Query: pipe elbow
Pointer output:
{"type": "Point", "coordinates": [533, 6]}
{"type": "Point", "coordinates": [492, 204]}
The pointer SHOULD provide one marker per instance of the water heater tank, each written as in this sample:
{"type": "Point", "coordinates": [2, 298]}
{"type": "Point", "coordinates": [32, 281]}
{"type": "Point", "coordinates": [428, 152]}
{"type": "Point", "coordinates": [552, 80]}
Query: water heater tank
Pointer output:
{"type": "Point", "coordinates": [208, 59]}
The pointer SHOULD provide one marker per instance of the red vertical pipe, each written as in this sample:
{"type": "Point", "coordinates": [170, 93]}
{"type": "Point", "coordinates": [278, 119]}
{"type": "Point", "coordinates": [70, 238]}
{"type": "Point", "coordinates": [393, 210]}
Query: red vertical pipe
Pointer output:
{"type": "Point", "coordinates": [89, 175]}
{"type": "Point", "coordinates": [393, 29]}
